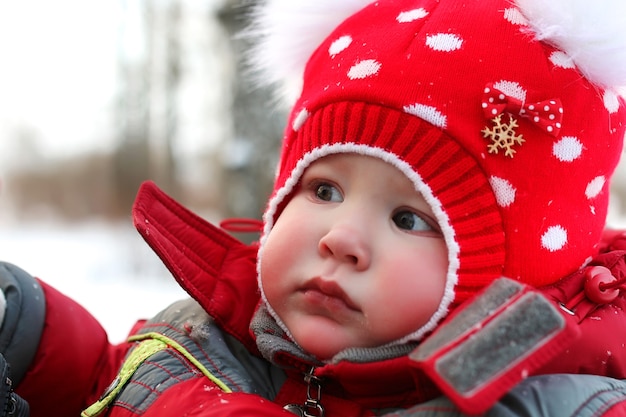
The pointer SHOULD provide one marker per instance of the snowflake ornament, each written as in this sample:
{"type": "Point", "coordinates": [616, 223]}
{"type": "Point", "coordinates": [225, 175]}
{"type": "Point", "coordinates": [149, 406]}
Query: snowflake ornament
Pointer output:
{"type": "Point", "coordinates": [503, 136]}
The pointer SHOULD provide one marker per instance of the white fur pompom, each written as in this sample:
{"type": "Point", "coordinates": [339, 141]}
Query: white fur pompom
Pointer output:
{"type": "Point", "coordinates": [286, 32]}
{"type": "Point", "coordinates": [591, 32]}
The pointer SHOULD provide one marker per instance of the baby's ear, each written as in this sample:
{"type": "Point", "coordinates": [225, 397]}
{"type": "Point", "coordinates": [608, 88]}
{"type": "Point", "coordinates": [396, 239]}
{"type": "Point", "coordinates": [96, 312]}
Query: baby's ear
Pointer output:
{"type": "Point", "coordinates": [284, 34]}
{"type": "Point", "coordinates": [592, 34]}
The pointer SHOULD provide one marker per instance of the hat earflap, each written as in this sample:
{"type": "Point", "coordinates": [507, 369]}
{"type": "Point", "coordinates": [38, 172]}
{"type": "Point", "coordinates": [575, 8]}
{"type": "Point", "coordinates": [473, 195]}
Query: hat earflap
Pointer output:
{"type": "Point", "coordinates": [286, 32]}
{"type": "Point", "coordinates": [591, 33]}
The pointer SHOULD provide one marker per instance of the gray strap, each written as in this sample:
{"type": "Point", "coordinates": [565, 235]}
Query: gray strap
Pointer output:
{"type": "Point", "coordinates": [562, 395]}
{"type": "Point", "coordinates": [24, 317]}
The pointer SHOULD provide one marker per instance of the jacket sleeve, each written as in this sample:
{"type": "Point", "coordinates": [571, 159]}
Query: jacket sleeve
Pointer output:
{"type": "Point", "coordinates": [59, 354]}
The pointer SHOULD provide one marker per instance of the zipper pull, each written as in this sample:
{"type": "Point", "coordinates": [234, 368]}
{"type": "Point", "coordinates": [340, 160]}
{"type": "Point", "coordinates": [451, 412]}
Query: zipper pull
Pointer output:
{"type": "Point", "coordinates": [312, 406]}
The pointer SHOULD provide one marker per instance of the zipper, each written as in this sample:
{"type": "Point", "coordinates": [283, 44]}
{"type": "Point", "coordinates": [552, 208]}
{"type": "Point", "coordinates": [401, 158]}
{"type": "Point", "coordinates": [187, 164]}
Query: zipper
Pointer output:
{"type": "Point", "coordinates": [312, 406]}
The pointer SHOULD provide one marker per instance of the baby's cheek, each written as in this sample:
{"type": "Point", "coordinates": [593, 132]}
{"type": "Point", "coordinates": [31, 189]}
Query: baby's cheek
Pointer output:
{"type": "Point", "coordinates": [412, 285]}
{"type": "Point", "coordinates": [277, 268]}
{"type": "Point", "coordinates": [271, 268]}
{"type": "Point", "coordinates": [271, 265]}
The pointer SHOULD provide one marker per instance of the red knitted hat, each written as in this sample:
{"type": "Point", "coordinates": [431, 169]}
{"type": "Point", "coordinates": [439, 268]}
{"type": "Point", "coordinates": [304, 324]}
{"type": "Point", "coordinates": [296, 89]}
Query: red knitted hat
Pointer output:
{"type": "Point", "coordinates": [494, 109]}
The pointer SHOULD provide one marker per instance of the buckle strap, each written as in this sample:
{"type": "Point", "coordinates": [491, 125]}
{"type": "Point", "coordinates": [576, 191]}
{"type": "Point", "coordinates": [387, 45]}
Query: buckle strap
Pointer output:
{"type": "Point", "coordinates": [242, 225]}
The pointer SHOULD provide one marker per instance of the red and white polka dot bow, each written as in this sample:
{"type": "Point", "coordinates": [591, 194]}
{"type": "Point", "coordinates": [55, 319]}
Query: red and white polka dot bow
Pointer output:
{"type": "Point", "coordinates": [545, 114]}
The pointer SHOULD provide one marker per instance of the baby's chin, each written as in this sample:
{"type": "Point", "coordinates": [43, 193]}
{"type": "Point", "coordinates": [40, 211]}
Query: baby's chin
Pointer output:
{"type": "Point", "coordinates": [325, 347]}
{"type": "Point", "coordinates": [324, 343]}
{"type": "Point", "coordinates": [322, 348]}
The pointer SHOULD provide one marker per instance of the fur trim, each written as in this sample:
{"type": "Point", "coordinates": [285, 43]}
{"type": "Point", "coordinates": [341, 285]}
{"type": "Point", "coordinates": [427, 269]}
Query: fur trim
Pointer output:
{"type": "Point", "coordinates": [591, 33]}
{"type": "Point", "coordinates": [286, 32]}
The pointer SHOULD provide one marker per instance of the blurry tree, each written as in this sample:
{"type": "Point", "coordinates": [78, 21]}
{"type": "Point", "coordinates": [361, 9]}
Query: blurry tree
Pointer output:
{"type": "Point", "coordinates": [77, 188]}
{"type": "Point", "coordinates": [237, 173]}
{"type": "Point", "coordinates": [618, 191]}
{"type": "Point", "coordinates": [251, 155]}
{"type": "Point", "coordinates": [145, 152]}
{"type": "Point", "coordinates": [186, 116]}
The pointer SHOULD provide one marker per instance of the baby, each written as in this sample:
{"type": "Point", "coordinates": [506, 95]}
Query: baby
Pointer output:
{"type": "Point", "coordinates": [434, 147]}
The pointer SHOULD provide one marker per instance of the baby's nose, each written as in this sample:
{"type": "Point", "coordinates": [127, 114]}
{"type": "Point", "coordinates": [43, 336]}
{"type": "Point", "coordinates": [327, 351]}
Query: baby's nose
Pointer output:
{"type": "Point", "coordinates": [346, 244]}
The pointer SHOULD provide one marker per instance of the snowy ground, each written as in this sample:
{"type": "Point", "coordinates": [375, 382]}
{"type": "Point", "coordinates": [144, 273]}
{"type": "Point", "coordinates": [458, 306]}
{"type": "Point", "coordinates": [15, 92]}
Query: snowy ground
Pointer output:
{"type": "Point", "coordinates": [107, 268]}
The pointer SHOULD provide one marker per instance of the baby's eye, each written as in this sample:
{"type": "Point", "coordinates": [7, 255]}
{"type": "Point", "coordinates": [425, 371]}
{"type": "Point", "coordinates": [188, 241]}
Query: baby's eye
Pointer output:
{"type": "Point", "coordinates": [408, 220]}
{"type": "Point", "coordinates": [327, 192]}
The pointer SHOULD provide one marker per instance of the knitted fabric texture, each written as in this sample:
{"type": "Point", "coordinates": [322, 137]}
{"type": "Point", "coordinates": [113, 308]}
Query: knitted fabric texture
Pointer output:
{"type": "Point", "coordinates": [509, 143]}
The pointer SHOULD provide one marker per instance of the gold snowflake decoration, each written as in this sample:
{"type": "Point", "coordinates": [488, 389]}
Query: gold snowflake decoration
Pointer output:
{"type": "Point", "coordinates": [503, 136]}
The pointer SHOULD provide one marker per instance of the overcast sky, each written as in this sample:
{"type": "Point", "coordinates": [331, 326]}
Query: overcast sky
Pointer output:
{"type": "Point", "coordinates": [57, 70]}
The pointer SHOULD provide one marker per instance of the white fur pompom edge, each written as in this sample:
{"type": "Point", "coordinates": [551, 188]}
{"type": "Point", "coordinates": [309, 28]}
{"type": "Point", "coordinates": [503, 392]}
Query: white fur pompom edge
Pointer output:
{"type": "Point", "coordinates": [284, 34]}
{"type": "Point", "coordinates": [591, 33]}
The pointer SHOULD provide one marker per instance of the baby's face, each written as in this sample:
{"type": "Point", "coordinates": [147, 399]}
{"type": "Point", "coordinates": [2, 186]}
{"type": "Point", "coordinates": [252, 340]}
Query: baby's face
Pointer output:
{"type": "Point", "coordinates": [355, 259]}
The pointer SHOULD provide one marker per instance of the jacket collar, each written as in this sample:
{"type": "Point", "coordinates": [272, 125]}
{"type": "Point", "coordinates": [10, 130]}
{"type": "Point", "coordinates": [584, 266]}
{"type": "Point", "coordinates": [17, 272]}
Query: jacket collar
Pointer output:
{"type": "Point", "coordinates": [373, 377]}
{"type": "Point", "coordinates": [212, 266]}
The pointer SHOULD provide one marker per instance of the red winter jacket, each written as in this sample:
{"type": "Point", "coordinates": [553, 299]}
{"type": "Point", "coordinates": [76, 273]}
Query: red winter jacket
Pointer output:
{"type": "Point", "coordinates": [75, 363]}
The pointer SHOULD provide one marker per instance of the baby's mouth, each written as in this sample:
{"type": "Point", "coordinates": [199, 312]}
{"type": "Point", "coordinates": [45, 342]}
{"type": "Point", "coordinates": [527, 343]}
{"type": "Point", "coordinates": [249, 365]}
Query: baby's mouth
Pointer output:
{"type": "Point", "coordinates": [328, 292]}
